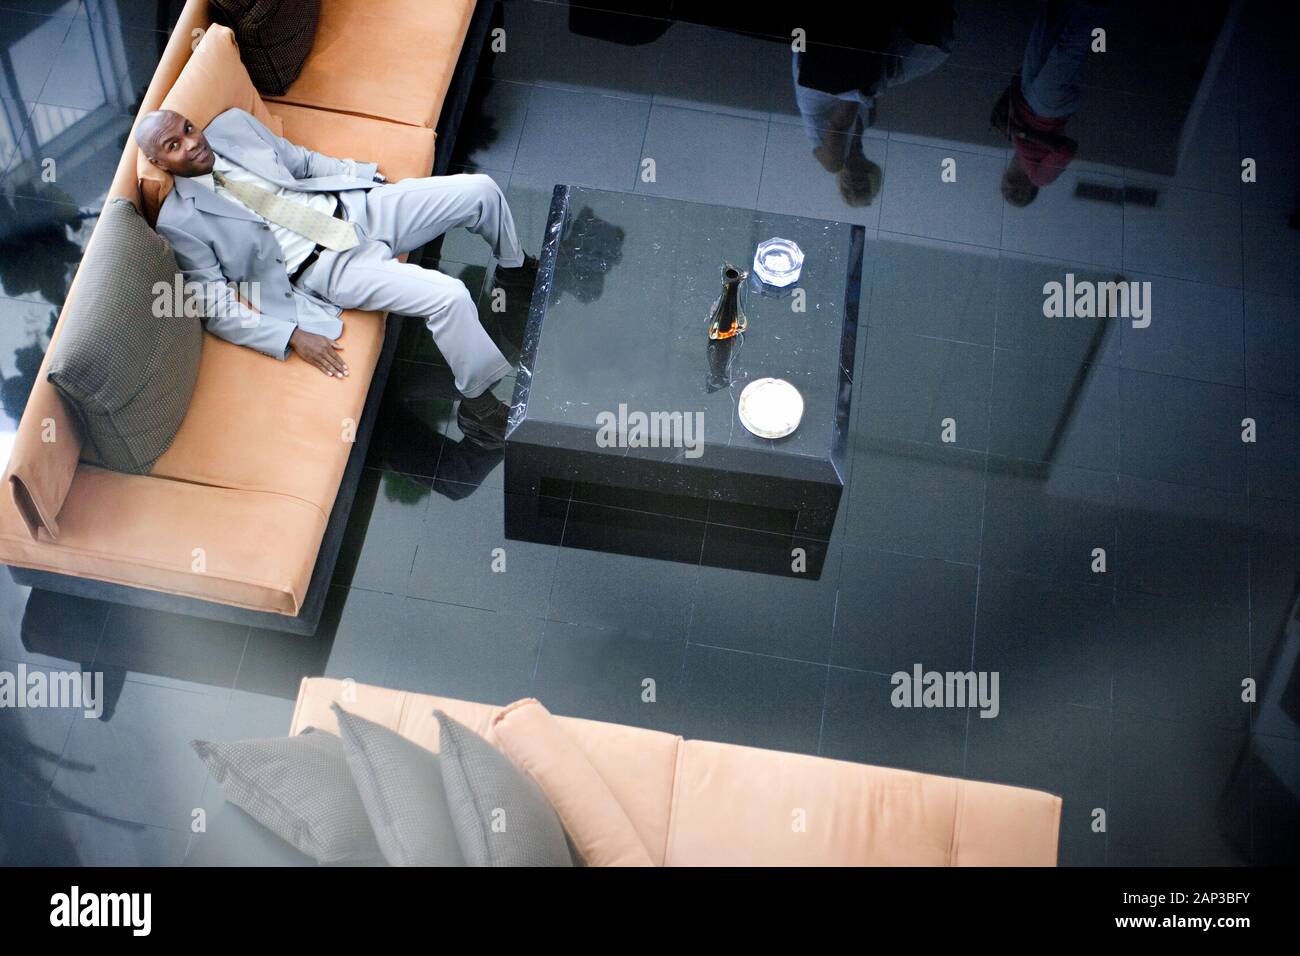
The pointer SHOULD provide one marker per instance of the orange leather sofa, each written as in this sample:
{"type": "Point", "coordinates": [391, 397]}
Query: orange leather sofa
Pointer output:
{"type": "Point", "coordinates": [230, 523]}
{"type": "Point", "coordinates": [630, 796]}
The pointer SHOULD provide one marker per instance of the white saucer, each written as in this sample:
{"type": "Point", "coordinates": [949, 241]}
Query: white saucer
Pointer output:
{"type": "Point", "coordinates": [770, 407]}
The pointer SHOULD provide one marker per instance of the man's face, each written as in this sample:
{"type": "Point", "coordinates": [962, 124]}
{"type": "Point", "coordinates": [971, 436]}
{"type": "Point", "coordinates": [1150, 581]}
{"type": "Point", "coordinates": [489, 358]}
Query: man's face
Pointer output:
{"type": "Point", "coordinates": [179, 147]}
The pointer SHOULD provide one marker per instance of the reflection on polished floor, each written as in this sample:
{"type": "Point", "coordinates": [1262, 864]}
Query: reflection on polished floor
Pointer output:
{"type": "Point", "coordinates": [970, 547]}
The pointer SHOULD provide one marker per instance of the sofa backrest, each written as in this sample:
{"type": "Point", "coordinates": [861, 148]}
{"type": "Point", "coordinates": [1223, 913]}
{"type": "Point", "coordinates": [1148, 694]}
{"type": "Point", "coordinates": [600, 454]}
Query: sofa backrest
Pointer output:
{"type": "Point", "coordinates": [213, 80]}
{"type": "Point", "coordinates": [191, 26]}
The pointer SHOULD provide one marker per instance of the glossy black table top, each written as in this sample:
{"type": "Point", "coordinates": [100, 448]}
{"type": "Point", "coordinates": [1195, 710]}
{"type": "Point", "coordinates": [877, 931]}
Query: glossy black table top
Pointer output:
{"type": "Point", "coordinates": [620, 316]}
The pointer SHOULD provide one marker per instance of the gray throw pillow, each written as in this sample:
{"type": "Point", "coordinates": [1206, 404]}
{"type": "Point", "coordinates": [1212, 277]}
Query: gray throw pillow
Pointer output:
{"type": "Point", "coordinates": [125, 374]}
{"type": "Point", "coordinates": [401, 787]}
{"type": "Point", "coordinates": [502, 818]}
{"type": "Point", "coordinates": [301, 789]}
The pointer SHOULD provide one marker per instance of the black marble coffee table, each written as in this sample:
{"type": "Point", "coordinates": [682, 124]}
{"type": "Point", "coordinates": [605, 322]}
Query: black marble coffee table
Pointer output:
{"type": "Point", "coordinates": [618, 327]}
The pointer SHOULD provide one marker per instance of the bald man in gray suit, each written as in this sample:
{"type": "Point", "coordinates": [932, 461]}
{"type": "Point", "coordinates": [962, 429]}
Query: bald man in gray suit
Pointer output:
{"type": "Point", "coordinates": [254, 209]}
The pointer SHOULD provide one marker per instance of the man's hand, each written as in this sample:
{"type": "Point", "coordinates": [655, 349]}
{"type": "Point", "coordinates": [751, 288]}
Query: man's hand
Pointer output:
{"type": "Point", "coordinates": [319, 351]}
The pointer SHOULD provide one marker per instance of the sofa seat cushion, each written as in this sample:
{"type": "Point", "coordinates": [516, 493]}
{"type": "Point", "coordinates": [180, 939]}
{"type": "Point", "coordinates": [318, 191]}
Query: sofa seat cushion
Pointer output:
{"type": "Point", "coordinates": [258, 424]}
{"type": "Point", "coordinates": [802, 810]}
{"type": "Point", "coordinates": [401, 151]}
{"type": "Point", "coordinates": [248, 549]}
{"type": "Point", "coordinates": [274, 37]}
{"type": "Point", "coordinates": [390, 59]}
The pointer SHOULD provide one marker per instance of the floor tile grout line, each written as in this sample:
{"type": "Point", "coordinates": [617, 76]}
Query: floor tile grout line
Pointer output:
{"type": "Point", "coordinates": [1042, 259]}
{"type": "Point", "coordinates": [979, 569]}
{"type": "Point", "coordinates": [523, 123]}
{"type": "Point", "coordinates": [537, 659]}
{"type": "Point", "coordinates": [67, 737]}
{"type": "Point", "coordinates": [821, 720]}
{"type": "Point", "coordinates": [876, 548]}
{"type": "Point", "coordinates": [641, 156]}
{"type": "Point", "coordinates": [555, 569]}
{"type": "Point", "coordinates": [762, 655]}
{"type": "Point", "coordinates": [243, 654]}
{"type": "Point", "coordinates": [830, 654]}
{"type": "Point", "coordinates": [1110, 765]}
{"type": "Point", "coordinates": [1031, 463]}
{"type": "Point", "coordinates": [762, 166]}
{"type": "Point", "coordinates": [1250, 550]}
{"type": "Point", "coordinates": [46, 82]}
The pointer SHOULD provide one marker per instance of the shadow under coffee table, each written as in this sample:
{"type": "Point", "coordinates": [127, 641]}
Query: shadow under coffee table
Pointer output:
{"type": "Point", "coordinates": [617, 330]}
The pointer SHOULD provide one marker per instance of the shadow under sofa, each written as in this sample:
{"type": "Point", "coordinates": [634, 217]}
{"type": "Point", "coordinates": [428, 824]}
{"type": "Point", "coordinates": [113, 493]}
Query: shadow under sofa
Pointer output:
{"type": "Point", "coordinates": [268, 516]}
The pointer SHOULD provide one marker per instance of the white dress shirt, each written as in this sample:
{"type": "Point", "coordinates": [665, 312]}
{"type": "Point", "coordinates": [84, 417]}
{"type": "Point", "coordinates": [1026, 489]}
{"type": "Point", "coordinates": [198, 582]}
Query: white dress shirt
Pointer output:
{"type": "Point", "coordinates": [296, 247]}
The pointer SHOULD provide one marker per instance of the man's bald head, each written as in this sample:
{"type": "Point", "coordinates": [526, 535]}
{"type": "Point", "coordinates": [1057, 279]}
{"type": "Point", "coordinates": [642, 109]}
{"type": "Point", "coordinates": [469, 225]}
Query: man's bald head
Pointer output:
{"type": "Point", "coordinates": [171, 142]}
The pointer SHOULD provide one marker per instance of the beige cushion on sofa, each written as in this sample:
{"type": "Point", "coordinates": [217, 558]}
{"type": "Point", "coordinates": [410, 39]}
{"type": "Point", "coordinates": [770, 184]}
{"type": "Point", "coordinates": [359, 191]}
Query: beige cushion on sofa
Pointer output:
{"type": "Point", "coordinates": [803, 810]}
{"type": "Point", "coordinates": [595, 821]}
{"type": "Point", "coordinates": [213, 81]}
{"type": "Point", "coordinates": [151, 531]}
{"type": "Point", "coordinates": [638, 765]}
{"type": "Point", "coordinates": [259, 424]}
{"type": "Point", "coordinates": [401, 151]}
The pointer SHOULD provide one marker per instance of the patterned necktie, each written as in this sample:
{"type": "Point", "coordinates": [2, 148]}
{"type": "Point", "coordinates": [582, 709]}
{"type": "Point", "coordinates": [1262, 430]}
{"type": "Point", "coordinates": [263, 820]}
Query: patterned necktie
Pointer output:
{"type": "Point", "coordinates": [298, 217]}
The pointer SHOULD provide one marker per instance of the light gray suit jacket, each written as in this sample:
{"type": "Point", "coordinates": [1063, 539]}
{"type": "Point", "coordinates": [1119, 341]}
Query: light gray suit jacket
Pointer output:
{"type": "Point", "coordinates": [218, 241]}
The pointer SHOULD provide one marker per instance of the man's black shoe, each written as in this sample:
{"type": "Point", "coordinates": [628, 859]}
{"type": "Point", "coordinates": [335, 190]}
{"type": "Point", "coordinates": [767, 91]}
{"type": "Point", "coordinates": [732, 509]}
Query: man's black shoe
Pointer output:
{"type": "Point", "coordinates": [464, 465]}
{"type": "Point", "coordinates": [529, 267]}
{"type": "Point", "coordinates": [483, 420]}
{"type": "Point", "coordinates": [518, 283]}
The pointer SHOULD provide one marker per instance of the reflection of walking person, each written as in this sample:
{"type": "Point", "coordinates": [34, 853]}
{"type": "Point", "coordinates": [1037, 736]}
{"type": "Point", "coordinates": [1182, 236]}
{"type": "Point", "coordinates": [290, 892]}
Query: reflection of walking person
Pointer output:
{"type": "Point", "coordinates": [36, 248]}
{"type": "Point", "coordinates": [1033, 110]}
{"type": "Point", "coordinates": [15, 389]}
{"type": "Point", "coordinates": [836, 87]}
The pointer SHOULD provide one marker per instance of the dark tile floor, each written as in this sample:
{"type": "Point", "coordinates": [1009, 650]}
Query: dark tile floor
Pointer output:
{"type": "Point", "coordinates": [1120, 690]}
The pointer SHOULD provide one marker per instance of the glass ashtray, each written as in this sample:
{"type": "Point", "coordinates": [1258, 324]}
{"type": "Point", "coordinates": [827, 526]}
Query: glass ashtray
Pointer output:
{"type": "Point", "coordinates": [778, 262]}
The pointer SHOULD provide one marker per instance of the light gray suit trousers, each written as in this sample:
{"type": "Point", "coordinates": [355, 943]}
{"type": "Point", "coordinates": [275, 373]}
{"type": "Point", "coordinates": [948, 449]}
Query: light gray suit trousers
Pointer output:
{"type": "Point", "coordinates": [403, 216]}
